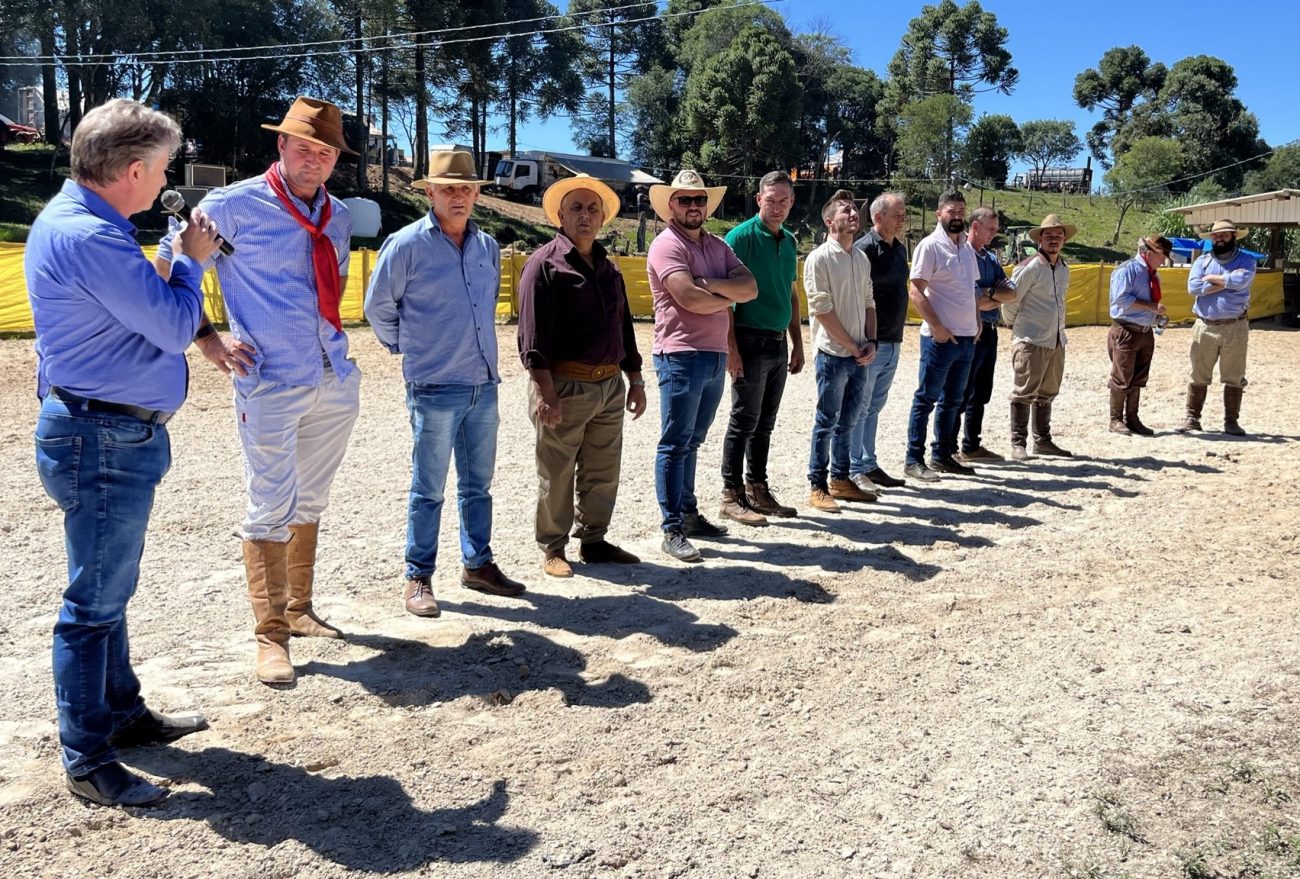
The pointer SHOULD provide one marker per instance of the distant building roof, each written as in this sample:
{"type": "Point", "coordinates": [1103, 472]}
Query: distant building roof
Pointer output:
{"type": "Point", "coordinates": [1280, 208]}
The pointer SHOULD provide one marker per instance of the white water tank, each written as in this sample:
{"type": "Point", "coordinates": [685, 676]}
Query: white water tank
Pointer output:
{"type": "Point", "coordinates": [365, 217]}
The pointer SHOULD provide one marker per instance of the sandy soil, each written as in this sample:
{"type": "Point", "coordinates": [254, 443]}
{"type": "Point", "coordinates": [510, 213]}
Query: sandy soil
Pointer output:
{"type": "Point", "coordinates": [1082, 668]}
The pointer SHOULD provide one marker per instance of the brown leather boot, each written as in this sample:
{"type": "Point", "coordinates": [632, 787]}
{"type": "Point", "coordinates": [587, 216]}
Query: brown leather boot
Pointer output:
{"type": "Point", "coordinates": [760, 497]}
{"type": "Point", "coordinates": [1232, 410]}
{"type": "Point", "coordinates": [1195, 403]}
{"type": "Point", "coordinates": [1019, 431]}
{"type": "Point", "coordinates": [1117, 424]}
{"type": "Point", "coordinates": [1043, 445]}
{"type": "Point", "coordinates": [265, 562]}
{"type": "Point", "coordinates": [1131, 402]}
{"type": "Point", "coordinates": [735, 506]}
{"type": "Point", "coordinates": [302, 573]}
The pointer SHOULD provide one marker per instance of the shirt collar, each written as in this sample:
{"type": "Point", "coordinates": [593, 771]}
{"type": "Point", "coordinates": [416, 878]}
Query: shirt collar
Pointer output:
{"type": "Point", "coordinates": [834, 246]}
{"type": "Point", "coordinates": [565, 247]}
{"type": "Point", "coordinates": [940, 232]}
{"type": "Point", "coordinates": [431, 223]}
{"type": "Point", "coordinates": [682, 234]}
{"type": "Point", "coordinates": [763, 230]}
{"type": "Point", "coordinates": [95, 203]}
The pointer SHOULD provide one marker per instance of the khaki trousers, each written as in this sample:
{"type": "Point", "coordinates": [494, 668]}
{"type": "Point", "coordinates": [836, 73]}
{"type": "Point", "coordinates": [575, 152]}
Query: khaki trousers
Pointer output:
{"type": "Point", "coordinates": [1224, 343]}
{"type": "Point", "coordinates": [1036, 372]}
{"type": "Point", "coordinates": [582, 455]}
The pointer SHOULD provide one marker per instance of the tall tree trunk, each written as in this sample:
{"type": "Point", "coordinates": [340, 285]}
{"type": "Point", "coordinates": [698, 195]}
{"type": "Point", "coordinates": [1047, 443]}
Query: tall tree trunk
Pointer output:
{"type": "Point", "coordinates": [74, 77]}
{"type": "Point", "coordinates": [50, 82]}
{"type": "Point", "coordinates": [613, 145]}
{"type": "Point", "coordinates": [361, 107]}
{"type": "Point", "coordinates": [512, 89]}
{"type": "Point", "coordinates": [421, 116]}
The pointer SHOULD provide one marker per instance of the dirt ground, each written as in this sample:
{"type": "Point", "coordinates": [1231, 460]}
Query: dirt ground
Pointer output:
{"type": "Point", "coordinates": [1079, 668]}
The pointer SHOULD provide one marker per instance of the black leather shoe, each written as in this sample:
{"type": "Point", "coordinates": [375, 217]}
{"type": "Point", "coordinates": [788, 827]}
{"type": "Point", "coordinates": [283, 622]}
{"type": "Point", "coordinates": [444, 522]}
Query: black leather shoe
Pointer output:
{"type": "Point", "coordinates": [604, 552]}
{"type": "Point", "coordinates": [951, 465]}
{"type": "Point", "coordinates": [884, 480]}
{"type": "Point", "coordinates": [695, 525]}
{"type": "Point", "coordinates": [112, 785]}
{"type": "Point", "coordinates": [152, 728]}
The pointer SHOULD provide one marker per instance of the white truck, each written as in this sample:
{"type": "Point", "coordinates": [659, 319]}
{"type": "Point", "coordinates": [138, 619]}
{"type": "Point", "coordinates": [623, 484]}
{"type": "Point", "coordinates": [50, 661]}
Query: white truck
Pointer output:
{"type": "Point", "coordinates": [525, 176]}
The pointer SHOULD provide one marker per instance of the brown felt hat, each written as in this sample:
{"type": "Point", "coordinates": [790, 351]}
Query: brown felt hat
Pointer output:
{"type": "Point", "coordinates": [450, 167]}
{"type": "Point", "coordinates": [314, 120]}
{"type": "Point", "coordinates": [1160, 243]}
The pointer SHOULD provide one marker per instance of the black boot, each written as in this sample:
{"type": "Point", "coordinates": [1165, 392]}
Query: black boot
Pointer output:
{"type": "Point", "coordinates": [1195, 403]}
{"type": "Point", "coordinates": [1043, 444]}
{"type": "Point", "coordinates": [1131, 421]}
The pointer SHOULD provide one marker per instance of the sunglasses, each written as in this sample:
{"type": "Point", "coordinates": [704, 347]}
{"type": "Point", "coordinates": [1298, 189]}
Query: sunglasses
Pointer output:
{"type": "Point", "coordinates": [687, 200]}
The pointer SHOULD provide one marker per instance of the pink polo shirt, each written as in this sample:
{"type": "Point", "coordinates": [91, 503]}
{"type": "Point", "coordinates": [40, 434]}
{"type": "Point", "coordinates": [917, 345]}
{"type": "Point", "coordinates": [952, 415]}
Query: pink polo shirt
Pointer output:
{"type": "Point", "coordinates": [676, 329]}
{"type": "Point", "coordinates": [950, 272]}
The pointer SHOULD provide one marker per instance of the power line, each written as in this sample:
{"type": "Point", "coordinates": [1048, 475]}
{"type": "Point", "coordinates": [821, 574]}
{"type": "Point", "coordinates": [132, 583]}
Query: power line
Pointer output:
{"type": "Point", "coordinates": [394, 42]}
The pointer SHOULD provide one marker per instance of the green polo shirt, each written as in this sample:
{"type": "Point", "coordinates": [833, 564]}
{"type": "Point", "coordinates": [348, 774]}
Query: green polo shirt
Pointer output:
{"type": "Point", "coordinates": [773, 263]}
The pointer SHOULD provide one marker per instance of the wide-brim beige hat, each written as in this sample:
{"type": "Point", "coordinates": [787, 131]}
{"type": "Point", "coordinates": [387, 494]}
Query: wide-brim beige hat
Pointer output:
{"type": "Point", "coordinates": [314, 120]}
{"type": "Point", "coordinates": [1225, 226]}
{"type": "Point", "coordinates": [450, 167]}
{"type": "Point", "coordinates": [556, 192]}
{"type": "Point", "coordinates": [1052, 221]}
{"type": "Point", "coordinates": [661, 194]}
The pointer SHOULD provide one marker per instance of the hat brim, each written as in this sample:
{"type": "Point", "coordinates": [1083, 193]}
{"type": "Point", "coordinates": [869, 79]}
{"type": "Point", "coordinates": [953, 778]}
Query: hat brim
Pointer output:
{"type": "Point", "coordinates": [448, 181]}
{"type": "Point", "coordinates": [555, 193]}
{"type": "Point", "coordinates": [1240, 233]}
{"type": "Point", "coordinates": [1070, 232]}
{"type": "Point", "coordinates": [662, 193]}
{"type": "Point", "coordinates": [296, 132]}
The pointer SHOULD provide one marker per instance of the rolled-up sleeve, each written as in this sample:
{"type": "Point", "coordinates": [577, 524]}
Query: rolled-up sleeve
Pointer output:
{"type": "Point", "coordinates": [816, 283]}
{"type": "Point", "coordinates": [387, 286]}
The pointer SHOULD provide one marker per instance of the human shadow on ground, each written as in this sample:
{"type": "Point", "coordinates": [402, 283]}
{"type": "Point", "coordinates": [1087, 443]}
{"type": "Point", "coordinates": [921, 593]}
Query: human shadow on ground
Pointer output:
{"type": "Point", "coordinates": [1001, 492]}
{"type": "Point", "coordinates": [366, 823]}
{"type": "Point", "coordinates": [408, 673]}
{"type": "Point", "coordinates": [831, 559]}
{"type": "Point", "coordinates": [1248, 438]}
{"type": "Point", "coordinates": [1152, 463]}
{"type": "Point", "coordinates": [669, 583]}
{"type": "Point", "coordinates": [890, 505]}
{"type": "Point", "coordinates": [613, 616]}
{"type": "Point", "coordinates": [910, 533]}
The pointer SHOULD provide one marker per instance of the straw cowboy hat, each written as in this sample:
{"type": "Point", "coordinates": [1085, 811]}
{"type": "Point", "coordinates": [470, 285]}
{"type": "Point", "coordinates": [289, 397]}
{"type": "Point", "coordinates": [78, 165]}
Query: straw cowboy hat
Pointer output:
{"type": "Point", "coordinates": [556, 192]}
{"type": "Point", "coordinates": [1052, 221]}
{"type": "Point", "coordinates": [1160, 243]}
{"type": "Point", "coordinates": [314, 120]}
{"type": "Point", "coordinates": [661, 194]}
{"type": "Point", "coordinates": [1225, 226]}
{"type": "Point", "coordinates": [450, 167]}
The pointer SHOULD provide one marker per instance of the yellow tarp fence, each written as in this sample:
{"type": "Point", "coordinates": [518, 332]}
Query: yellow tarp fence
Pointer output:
{"type": "Point", "coordinates": [1087, 301]}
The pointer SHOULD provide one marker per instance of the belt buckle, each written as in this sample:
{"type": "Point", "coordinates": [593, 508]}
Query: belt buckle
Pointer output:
{"type": "Point", "coordinates": [598, 372]}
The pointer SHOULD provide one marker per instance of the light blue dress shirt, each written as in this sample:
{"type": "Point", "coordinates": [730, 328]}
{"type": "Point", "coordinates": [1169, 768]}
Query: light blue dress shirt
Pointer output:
{"type": "Point", "coordinates": [1130, 283]}
{"type": "Point", "coordinates": [1234, 301]}
{"type": "Point", "coordinates": [435, 303]}
{"type": "Point", "coordinates": [107, 326]}
{"type": "Point", "coordinates": [269, 284]}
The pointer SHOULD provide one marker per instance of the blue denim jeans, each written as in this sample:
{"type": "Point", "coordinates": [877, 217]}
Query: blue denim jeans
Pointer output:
{"type": "Point", "coordinates": [690, 388]}
{"type": "Point", "coordinates": [840, 382]}
{"type": "Point", "coordinates": [447, 420]}
{"type": "Point", "coordinates": [101, 469]}
{"type": "Point", "coordinates": [945, 368]}
{"type": "Point", "coordinates": [875, 394]}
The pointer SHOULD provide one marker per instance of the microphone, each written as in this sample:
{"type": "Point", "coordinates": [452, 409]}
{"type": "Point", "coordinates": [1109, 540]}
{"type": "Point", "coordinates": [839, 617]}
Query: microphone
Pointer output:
{"type": "Point", "coordinates": [173, 202]}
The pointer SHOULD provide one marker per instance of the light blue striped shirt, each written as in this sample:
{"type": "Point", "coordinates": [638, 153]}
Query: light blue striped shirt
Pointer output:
{"type": "Point", "coordinates": [1130, 283]}
{"type": "Point", "coordinates": [269, 284]}
{"type": "Point", "coordinates": [107, 326]}
{"type": "Point", "coordinates": [435, 303]}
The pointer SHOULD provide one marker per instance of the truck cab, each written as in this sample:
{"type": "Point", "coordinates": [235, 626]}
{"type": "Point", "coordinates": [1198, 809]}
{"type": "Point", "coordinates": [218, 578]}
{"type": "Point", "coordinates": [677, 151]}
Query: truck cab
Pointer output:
{"type": "Point", "coordinates": [517, 178]}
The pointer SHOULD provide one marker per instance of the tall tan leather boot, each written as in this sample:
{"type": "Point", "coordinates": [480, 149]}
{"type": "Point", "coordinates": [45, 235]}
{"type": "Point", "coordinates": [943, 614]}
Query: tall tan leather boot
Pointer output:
{"type": "Point", "coordinates": [1232, 411]}
{"type": "Point", "coordinates": [1043, 444]}
{"type": "Point", "coordinates": [1195, 403]}
{"type": "Point", "coordinates": [302, 574]}
{"type": "Point", "coordinates": [1019, 431]}
{"type": "Point", "coordinates": [268, 591]}
{"type": "Point", "coordinates": [1117, 424]}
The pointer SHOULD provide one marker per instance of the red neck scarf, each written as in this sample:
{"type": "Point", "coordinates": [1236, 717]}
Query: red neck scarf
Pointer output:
{"type": "Point", "coordinates": [1155, 285]}
{"type": "Point", "coordinates": [324, 259]}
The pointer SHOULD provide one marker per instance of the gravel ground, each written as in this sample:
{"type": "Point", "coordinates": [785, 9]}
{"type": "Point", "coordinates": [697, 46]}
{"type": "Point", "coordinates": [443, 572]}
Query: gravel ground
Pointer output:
{"type": "Point", "coordinates": [1064, 668]}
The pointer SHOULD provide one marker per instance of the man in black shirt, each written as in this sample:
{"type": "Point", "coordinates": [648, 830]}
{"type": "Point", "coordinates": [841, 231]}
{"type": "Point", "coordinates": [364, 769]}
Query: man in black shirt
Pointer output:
{"type": "Point", "coordinates": [888, 256]}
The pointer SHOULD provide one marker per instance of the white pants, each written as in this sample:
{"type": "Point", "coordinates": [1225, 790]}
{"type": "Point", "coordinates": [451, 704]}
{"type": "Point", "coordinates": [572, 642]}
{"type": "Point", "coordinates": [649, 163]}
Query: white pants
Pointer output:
{"type": "Point", "coordinates": [293, 440]}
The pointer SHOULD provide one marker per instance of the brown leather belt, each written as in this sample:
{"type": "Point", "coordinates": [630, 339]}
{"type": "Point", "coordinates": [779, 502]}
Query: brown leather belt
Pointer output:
{"type": "Point", "coordinates": [153, 416]}
{"type": "Point", "coordinates": [1224, 322]}
{"type": "Point", "coordinates": [583, 372]}
{"type": "Point", "coordinates": [1132, 328]}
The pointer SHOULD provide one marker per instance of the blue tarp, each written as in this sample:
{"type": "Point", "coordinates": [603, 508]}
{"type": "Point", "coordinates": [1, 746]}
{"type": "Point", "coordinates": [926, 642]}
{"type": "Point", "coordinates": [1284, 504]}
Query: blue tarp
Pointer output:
{"type": "Point", "coordinates": [1190, 248]}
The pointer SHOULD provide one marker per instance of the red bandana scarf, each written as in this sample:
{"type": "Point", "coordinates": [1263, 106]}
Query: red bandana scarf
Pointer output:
{"type": "Point", "coordinates": [1155, 286]}
{"type": "Point", "coordinates": [324, 259]}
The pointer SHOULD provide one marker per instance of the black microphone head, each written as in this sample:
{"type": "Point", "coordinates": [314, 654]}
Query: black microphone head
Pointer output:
{"type": "Point", "coordinates": [173, 201]}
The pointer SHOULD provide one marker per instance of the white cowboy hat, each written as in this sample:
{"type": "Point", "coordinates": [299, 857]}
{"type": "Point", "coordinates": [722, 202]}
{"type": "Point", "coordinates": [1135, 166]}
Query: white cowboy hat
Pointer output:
{"type": "Point", "coordinates": [556, 192]}
{"type": "Point", "coordinates": [450, 167]}
{"type": "Point", "coordinates": [661, 194]}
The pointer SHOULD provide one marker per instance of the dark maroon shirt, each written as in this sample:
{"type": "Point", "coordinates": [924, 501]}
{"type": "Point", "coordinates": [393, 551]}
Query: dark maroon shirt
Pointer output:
{"type": "Point", "coordinates": [571, 311]}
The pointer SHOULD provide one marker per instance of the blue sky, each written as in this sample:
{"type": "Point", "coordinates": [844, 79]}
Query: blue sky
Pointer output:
{"type": "Point", "coordinates": [1051, 43]}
